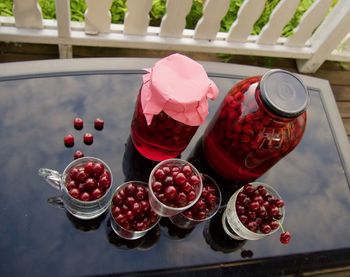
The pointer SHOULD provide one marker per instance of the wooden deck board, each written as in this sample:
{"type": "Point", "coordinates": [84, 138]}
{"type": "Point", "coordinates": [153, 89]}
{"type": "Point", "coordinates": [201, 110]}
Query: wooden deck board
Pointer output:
{"type": "Point", "coordinates": [337, 73]}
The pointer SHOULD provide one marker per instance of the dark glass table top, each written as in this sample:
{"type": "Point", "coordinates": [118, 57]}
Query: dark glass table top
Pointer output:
{"type": "Point", "coordinates": [37, 236]}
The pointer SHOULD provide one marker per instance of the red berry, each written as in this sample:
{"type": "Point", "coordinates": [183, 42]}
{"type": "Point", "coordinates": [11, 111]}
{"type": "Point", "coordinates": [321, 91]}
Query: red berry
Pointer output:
{"type": "Point", "coordinates": [88, 138]}
{"type": "Point", "coordinates": [97, 193]}
{"type": "Point", "coordinates": [69, 140]}
{"type": "Point", "coordinates": [78, 154]}
{"type": "Point", "coordinates": [71, 185]}
{"type": "Point", "coordinates": [181, 198]}
{"type": "Point", "coordinates": [170, 192]}
{"type": "Point", "coordinates": [90, 184]}
{"type": "Point", "coordinates": [191, 195]}
{"type": "Point", "coordinates": [104, 182]}
{"type": "Point", "coordinates": [194, 180]}
{"type": "Point", "coordinates": [78, 123]}
{"type": "Point", "coordinates": [81, 176]}
{"type": "Point", "coordinates": [98, 169]}
{"type": "Point", "coordinates": [253, 206]}
{"type": "Point", "coordinates": [99, 124]}
{"type": "Point", "coordinates": [187, 187]}
{"type": "Point", "coordinates": [187, 170]}
{"type": "Point", "coordinates": [180, 179]}
{"type": "Point", "coordinates": [285, 237]}
{"type": "Point", "coordinates": [157, 186]}
{"type": "Point", "coordinates": [85, 196]}
{"type": "Point", "coordinates": [141, 193]}
{"type": "Point", "coordinates": [248, 189]}
{"type": "Point", "coordinates": [265, 228]}
{"type": "Point", "coordinates": [159, 174]}
{"type": "Point", "coordinates": [131, 189]}
{"type": "Point", "coordinates": [89, 168]}
{"type": "Point", "coordinates": [274, 224]}
{"type": "Point", "coordinates": [74, 193]}
{"type": "Point", "coordinates": [279, 203]}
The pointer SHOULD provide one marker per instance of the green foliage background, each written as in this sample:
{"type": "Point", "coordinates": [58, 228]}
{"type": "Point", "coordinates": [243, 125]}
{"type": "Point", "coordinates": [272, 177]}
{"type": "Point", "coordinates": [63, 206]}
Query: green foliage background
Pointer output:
{"type": "Point", "coordinates": [119, 8]}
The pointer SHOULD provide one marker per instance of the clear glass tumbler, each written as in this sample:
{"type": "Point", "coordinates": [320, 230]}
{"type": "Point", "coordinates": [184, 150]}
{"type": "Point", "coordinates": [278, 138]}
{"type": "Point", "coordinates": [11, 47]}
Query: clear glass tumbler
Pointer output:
{"type": "Point", "coordinates": [89, 197]}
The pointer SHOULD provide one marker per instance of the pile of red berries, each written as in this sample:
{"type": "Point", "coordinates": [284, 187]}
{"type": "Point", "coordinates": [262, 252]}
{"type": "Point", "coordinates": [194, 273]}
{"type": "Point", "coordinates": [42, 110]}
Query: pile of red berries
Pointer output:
{"type": "Point", "coordinates": [88, 181]}
{"type": "Point", "coordinates": [175, 185]}
{"type": "Point", "coordinates": [259, 211]}
{"type": "Point", "coordinates": [208, 201]}
{"type": "Point", "coordinates": [88, 138]}
{"type": "Point", "coordinates": [131, 209]}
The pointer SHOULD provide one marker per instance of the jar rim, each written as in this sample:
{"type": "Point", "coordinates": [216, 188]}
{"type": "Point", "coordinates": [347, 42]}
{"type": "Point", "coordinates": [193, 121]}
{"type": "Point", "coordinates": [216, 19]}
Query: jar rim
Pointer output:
{"type": "Point", "coordinates": [284, 93]}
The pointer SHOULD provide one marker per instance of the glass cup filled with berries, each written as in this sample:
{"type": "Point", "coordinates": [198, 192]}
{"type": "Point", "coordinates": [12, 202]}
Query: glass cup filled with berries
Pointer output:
{"type": "Point", "coordinates": [205, 208]}
{"type": "Point", "coordinates": [174, 186]}
{"type": "Point", "coordinates": [131, 213]}
{"type": "Point", "coordinates": [254, 212]}
{"type": "Point", "coordinates": [85, 184]}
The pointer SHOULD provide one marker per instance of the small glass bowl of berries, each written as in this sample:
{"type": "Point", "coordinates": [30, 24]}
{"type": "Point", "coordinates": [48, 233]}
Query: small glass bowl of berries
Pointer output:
{"type": "Point", "coordinates": [131, 214]}
{"type": "Point", "coordinates": [254, 212]}
{"type": "Point", "coordinates": [85, 184]}
{"type": "Point", "coordinates": [175, 185]}
{"type": "Point", "coordinates": [205, 208]}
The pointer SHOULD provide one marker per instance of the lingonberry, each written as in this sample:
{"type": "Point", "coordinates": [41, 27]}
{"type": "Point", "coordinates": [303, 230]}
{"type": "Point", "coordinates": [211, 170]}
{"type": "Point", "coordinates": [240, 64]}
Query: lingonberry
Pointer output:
{"type": "Point", "coordinates": [99, 124]}
{"type": "Point", "coordinates": [74, 192]}
{"type": "Point", "coordinates": [78, 123]}
{"type": "Point", "coordinates": [68, 140]}
{"type": "Point", "coordinates": [285, 237]}
{"type": "Point", "coordinates": [88, 138]}
{"type": "Point", "coordinates": [78, 154]}
{"type": "Point", "coordinates": [97, 193]}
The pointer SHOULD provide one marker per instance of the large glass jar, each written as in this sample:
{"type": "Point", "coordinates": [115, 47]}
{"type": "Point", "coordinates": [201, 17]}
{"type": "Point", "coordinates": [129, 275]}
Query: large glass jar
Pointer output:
{"type": "Point", "coordinates": [260, 121]}
{"type": "Point", "coordinates": [171, 105]}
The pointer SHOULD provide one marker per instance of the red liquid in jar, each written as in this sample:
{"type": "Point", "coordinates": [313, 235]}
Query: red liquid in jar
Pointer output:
{"type": "Point", "coordinates": [164, 138]}
{"type": "Point", "coordinates": [245, 138]}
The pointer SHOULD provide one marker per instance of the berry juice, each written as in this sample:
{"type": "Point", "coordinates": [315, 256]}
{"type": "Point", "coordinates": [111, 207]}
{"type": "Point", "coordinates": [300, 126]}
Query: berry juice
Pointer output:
{"type": "Point", "coordinates": [252, 130]}
{"type": "Point", "coordinates": [164, 138]}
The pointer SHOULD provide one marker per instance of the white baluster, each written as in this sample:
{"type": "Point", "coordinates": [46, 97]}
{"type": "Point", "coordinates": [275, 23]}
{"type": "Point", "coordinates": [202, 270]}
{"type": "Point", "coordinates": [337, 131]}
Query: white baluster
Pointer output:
{"type": "Point", "coordinates": [174, 21]}
{"type": "Point", "coordinates": [98, 16]}
{"type": "Point", "coordinates": [327, 36]}
{"type": "Point", "coordinates": [247, 15]}
{"type": "Point", "coordinates": [63, 27]}
{"type": "Point", "coordinates": [308, 23]}
{"type": "Point", "coordinates": [209, 24]}
{"type": "Point", "coordinates": [27, 14]}
{"type": "Point", "coordinates": [278, 19]}
{"type": "Point", "coordinates": [137, 19]}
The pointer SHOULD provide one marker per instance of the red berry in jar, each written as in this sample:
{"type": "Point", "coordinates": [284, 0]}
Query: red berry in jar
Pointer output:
{"type": "Point", "coordinates": [255, 126]}
{"type": "Point", "coordinates": [78, 123]}
{"type": "Point", "coordinates": [131, 212]}
{"type": "Point", "coordinates": [84, 184]}
{"type": "Point", "coordinates": [175, 184]}
{"type": "Point", "coordinates": [99, 124]}
{"type": "Point", "coordinates": [88, 138]}
{"type": "Point", "coordinates": [68, 141]}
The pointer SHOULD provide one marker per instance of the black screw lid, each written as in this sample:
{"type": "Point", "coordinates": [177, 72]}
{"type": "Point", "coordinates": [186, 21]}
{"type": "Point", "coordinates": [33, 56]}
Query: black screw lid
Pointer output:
{"type": "Point", "coordinates": [284, 93]}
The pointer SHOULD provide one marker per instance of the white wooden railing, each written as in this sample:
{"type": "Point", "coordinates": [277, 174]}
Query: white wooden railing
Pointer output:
{"type": "Point", "coordinates": [320, 36]}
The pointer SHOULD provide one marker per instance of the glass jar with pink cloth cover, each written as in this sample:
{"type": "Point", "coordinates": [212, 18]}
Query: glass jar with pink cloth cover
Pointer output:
{"type": "Point", "coordinates": [171, 105]}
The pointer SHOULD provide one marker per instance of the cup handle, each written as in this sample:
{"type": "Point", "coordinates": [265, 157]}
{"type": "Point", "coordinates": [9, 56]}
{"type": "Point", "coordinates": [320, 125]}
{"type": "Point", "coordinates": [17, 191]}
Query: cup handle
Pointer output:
{"type": "Point", "coordinates": [53, 177]}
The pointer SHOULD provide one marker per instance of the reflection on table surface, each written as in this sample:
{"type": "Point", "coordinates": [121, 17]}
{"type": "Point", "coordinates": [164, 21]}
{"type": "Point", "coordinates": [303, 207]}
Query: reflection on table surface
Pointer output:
{"type": "Point", "coordinates": [35, 115]}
